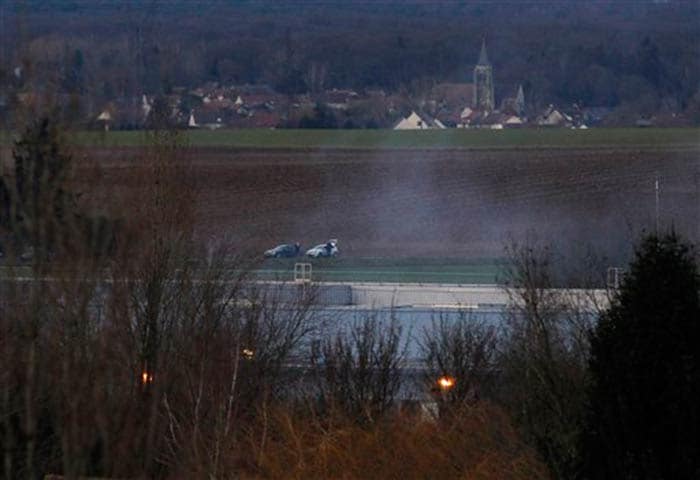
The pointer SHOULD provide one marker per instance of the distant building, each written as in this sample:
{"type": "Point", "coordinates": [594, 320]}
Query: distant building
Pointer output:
{"type": "Point", "coordinates": [454, 96]}
{"type": "Point", "coordinates": [553, 117]}
{"type": "Point", "coordinates": [105, 118]}
{"type": "Point", "coordinates": [192, 122]}
{"type": "Point", "coordinates": [595, 115]}
{"type": "Point", "coordinates": [146, 106]}
{"type": "Point", "coordinates": [416, 122]}
{"type": "Point", "coordinates": [513, 121]}
{"type": "Point", "coordinates": [483, 83]}
{"type": "Point", "coordinates": [520, 101]}
{"type": "Point", "coordinates": [465, 105]}
{"type": "Point", "coordinates": [514, 105]}
{"type": "Point", "coordinates": [339, 99]}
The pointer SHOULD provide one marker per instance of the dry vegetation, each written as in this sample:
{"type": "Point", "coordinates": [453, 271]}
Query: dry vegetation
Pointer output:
{"type": "Point", "coordinates": [476, 442]}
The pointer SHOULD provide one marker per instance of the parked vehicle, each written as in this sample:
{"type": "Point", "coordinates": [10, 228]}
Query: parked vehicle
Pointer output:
{"type": "Point", "coordinates": [286, 250]}
{"type": "Point", "coordinates": [328, 249]}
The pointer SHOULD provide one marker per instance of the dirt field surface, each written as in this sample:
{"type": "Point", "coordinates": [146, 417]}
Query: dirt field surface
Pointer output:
{"type": "Point", "coordinates": [435, 203]}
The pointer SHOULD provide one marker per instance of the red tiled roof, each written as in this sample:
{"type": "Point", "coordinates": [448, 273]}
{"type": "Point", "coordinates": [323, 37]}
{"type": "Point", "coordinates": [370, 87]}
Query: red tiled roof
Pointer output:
{"type": "Point", "coordinates": [454, 94]}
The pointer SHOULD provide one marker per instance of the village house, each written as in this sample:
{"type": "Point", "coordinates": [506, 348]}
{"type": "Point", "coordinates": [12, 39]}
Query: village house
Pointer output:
{"type": "Point", "coordinates": [105, 119]}
{"type": "Point", "coordinates": [338, 99]}
{"type": "Point", "coordinates": [514, 105]}
{"type": "Point", "coordinates": [552, 117]}
{"type": "Point", "coordinates": [416, 122]}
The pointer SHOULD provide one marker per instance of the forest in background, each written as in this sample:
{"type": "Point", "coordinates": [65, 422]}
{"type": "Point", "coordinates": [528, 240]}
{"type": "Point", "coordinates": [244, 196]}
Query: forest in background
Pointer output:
{"type": "Point", "coordinates": [642, 57]}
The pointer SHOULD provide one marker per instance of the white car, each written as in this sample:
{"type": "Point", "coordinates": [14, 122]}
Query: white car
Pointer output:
{"type": "Point", "coordinates": [328, 249]}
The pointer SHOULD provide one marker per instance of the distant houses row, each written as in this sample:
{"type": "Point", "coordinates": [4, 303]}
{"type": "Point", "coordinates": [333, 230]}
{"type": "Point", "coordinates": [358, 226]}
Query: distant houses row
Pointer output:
{"type": "Point", "coordinates": [468, 104]}
{"type": "Point", "coordinates": [550, 117]}
{"type": "Point", "coordinates": [444, 105]}
{"type": "Point", "coordinates": [256, 107]}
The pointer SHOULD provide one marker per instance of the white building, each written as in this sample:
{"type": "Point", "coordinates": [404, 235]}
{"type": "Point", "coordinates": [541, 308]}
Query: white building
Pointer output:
{"type": "Point", "coordinates": [416, 122]}
{"type": "Point", "coordinates": [192, 123]}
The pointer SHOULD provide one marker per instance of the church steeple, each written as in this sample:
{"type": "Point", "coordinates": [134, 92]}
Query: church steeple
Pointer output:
{"type": "Point", "coordinates": [483, 82]}
{"type": "Point", "coordinates": [483, 57]}
{"type": "Point", "coordinates": [520, 101]}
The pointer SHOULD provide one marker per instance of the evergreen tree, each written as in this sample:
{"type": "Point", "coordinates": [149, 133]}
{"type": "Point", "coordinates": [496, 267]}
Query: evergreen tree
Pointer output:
{"type": "Point", "coordinates": [323, 117]}
{"type": "Point", "coordinates": [39, 214]}
{"type": "Point", "coordinates": [644, 398]}
{"type": "Point", "coordinates": [36, 202]}
{"type": "Point", "coordinates": [74, 81]}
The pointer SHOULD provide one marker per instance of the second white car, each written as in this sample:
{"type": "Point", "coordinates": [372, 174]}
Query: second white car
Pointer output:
{"type": "Point", "coordinates": [328, 249]}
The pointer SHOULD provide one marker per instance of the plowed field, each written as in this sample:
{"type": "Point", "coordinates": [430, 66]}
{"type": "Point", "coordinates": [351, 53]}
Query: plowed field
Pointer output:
{"type": "Point", "coordinates": [436, 202]}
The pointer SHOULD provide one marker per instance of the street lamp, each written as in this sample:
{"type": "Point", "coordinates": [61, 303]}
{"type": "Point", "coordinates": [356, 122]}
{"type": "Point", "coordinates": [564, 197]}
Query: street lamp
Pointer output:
{"type": "Point", "coordinates": [146, 377]}
{"type": "Point", "coordinates": [442, 388]}
{"type": "Point", "coordinates": [446, 383]}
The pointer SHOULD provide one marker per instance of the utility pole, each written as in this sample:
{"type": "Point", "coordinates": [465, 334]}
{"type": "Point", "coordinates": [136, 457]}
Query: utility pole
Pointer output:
{"type": "Point", "coordinates": [697, 200]}
{"type": "Point", "coordinates": [656, 187]}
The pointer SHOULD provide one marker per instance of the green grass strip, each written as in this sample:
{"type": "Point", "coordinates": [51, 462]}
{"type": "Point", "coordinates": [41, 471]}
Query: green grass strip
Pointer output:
{"type": "Point", "coordinates": [390, 139]}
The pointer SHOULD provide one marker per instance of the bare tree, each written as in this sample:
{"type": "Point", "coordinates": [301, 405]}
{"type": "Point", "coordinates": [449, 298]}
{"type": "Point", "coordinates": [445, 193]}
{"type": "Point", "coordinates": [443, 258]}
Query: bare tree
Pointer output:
{"type": "Point", "coordinates": [233, 349]}
{"type": "Point", "coordinates": [359, 369]}
{"type": "Point", "coordinates": [39, 217]}
{"type": "Point", "coordinates": [23, 317]}
{"type": "Point", "coordinates": [459, 357]}
{"type": "Point", "coordinates": [543, 356]}
{"type": "Point", "coordinates": [149, 360]}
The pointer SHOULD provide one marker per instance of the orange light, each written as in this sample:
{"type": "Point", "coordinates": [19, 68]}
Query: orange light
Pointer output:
{"type": "Point", "coordinates": [248, 353]}
{"type": "Point", "coordinates": [446, 382]}
{"type": "Point", "coordinates": [146, 378]}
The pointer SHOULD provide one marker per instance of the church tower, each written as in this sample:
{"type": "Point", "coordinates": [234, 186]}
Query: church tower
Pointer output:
{"type": "Point", "coordinates": [483, 83]}
{"type": "Point", "coordinates": [520, 102]}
